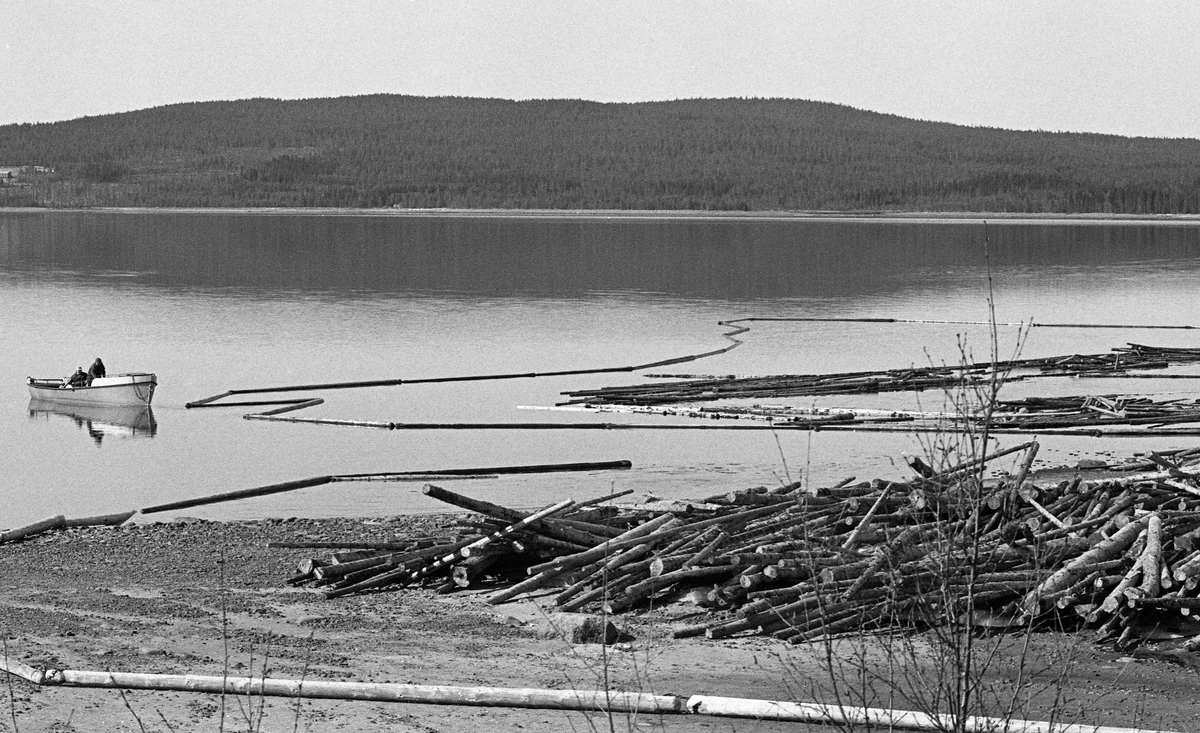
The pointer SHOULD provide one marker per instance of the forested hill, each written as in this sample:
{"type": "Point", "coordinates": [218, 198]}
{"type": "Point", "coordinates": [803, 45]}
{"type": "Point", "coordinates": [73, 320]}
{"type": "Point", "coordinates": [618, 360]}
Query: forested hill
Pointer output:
{"type": "Point", "coordinates": [729, 154]}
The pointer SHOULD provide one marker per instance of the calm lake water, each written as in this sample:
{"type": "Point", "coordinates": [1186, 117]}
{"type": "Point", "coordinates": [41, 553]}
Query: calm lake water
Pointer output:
{"type": "Point", "coordinates": [215, 301]}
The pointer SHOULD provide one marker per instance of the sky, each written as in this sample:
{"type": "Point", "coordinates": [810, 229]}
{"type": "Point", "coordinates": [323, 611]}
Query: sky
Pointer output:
{"type": "Point", "coordinates": [1125, 68]}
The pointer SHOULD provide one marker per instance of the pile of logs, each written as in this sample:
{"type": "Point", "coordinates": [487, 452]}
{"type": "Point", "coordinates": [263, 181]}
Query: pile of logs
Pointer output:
{"type": "Point", "coordinates": [1121, 361]}
{"type": "Point", "coordinates": [1118, 553]}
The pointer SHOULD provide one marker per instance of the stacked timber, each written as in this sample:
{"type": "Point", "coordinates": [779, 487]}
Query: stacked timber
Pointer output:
{"type": "Point", "coordinates": [1117, 552]}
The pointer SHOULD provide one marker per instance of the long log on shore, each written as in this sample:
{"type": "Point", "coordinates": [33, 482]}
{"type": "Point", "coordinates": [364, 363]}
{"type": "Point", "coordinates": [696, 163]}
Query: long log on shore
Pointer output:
{"type": "Point", "coordinates": [62, 522]}
{"type": "Point", "coordinates": [592, 701]}
{"type": "Point", "coordinates": [29, 530]}
{"type": "Point", "coordinates": [101, 520]}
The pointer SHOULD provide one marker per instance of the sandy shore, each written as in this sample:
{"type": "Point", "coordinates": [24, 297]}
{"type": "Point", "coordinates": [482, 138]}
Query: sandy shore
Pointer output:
{"type": "Point", "coordinates": [209, 598]}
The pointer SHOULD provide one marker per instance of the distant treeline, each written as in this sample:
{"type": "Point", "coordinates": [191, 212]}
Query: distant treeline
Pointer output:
{"type": "Point", "coordinates": [728, 154]}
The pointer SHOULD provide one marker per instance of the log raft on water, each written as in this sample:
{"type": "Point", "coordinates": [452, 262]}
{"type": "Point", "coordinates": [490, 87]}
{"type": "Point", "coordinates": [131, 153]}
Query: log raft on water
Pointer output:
{"type": "Point", "coordinates": [1106, 553]}
{"type": "Point", "coordinates": [1120, 362]}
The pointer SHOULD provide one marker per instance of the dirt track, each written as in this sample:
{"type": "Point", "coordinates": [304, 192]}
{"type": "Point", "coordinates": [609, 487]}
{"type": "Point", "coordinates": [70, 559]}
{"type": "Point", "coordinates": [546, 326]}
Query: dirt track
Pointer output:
{"type": "Point", "coordinates": [157, 598]}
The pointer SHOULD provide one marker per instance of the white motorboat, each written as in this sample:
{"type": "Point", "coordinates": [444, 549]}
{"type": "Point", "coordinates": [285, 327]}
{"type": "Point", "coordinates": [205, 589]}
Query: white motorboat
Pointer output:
{"type": "Point", "coordinates": [119, 390]}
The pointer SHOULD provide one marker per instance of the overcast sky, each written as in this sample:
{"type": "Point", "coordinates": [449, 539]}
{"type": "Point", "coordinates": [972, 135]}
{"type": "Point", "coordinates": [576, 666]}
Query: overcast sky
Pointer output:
{"type": "Point", "coordinates": [1127, 68]}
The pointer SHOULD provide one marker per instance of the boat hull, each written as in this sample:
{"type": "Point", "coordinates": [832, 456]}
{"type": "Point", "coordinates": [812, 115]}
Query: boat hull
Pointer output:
{"type": "Point", "coordinates": [122, 390]}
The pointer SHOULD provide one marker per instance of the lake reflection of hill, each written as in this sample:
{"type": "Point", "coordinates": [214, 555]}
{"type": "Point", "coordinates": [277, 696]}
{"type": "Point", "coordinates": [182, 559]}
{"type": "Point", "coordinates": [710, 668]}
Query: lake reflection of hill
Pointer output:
{"type": "Point", "coordinates": [101, 422]}
{"type": "Point", "coordinates": [365, 256]}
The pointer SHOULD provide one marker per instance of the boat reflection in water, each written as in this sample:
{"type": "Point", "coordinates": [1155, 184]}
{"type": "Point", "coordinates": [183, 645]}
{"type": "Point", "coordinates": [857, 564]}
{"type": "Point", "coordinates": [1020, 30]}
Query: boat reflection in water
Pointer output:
{"type": "Point", "coordinates": [101, 421]}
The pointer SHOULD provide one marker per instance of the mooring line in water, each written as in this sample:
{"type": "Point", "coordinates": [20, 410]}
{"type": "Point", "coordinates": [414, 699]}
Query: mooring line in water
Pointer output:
{"type": "Point", "coordinates": [732, 335]}
{"type": "Point", "coordinates": [210, 401]}
{"type": "Point", "coordinates": [930, 321]}
{"type": "Point", "coordinates": [529, 425]}
{"type": "Point", "coordinates": [737, 326]}
{"type": "Point", "coordinates": [253, 403]}
{"type": "Point", "coordinates": [899, 424]}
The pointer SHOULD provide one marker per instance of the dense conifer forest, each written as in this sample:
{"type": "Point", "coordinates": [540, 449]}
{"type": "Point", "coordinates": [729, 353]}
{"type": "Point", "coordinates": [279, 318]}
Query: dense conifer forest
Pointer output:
{"type": "Point", "coordinates": [726, 154]}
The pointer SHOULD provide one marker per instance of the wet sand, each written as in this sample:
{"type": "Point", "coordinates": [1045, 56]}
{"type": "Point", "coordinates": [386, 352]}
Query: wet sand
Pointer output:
{"type": "Point", "coordinates": [200, 597]}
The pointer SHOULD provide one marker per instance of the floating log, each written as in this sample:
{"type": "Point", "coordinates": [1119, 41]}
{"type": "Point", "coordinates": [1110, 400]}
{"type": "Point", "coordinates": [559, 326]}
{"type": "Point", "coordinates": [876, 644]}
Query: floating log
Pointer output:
{"type": "Point", "coordinates": [240, 494]}
{"type": "Point", "coordinates": [321, 480]}
{"type": "Point", "coordinates": [510, 470]}
{"type": "Point", "coordinates": [295, 405]}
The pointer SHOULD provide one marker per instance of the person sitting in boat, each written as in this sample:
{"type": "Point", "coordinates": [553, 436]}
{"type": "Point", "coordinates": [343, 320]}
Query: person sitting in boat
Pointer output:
{"type": "Point", "coordinates": [95, 371]}
{"type": "Point", "coordinates": [78, 379]}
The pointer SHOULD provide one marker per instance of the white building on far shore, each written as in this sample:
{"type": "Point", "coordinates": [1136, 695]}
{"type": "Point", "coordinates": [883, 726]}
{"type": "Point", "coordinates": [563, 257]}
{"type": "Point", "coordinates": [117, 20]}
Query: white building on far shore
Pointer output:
{"type": "Point", "coordinates": [10, 173]}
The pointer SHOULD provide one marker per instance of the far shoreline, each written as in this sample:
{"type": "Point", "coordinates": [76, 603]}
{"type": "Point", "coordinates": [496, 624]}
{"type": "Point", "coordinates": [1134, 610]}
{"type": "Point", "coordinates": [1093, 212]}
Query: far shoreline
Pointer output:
{"type": "Point", "coordinates": [915, 217]}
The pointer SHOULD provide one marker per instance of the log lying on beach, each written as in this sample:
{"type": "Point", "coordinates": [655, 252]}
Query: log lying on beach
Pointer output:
{"type": "Point", "coordinates": [61, 522]}
{"type": "Point", "coordinates": [1103, 553]}
{"type": "Point", "coordinates": [604, 702]}
{"type": "Point", "coordinates": [29, 530]}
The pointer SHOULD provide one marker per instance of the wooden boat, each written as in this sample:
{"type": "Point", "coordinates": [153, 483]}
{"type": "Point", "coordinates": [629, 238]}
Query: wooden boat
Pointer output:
{"type": "Point", "coordinates": [132, 389]}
